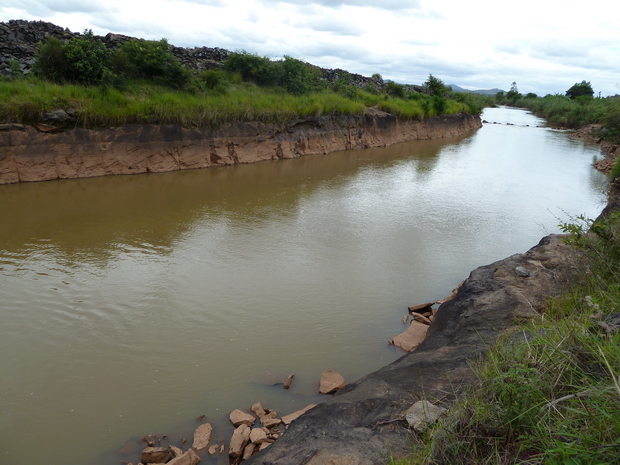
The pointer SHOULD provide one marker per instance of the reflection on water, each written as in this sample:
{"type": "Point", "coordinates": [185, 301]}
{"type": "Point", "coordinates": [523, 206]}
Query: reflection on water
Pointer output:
{"type": "Point", "coordinates": [132, 304]}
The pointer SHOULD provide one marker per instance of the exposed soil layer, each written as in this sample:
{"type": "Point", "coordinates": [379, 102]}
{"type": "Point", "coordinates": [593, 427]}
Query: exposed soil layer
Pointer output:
{"type": "Point", "coordinates": [40, 153]}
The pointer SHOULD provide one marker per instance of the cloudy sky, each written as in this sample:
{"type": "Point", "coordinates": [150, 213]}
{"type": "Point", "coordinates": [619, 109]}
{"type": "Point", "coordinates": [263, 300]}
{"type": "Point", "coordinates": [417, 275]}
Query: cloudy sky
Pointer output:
{"type": "Point", "coordinates": [544, 45]}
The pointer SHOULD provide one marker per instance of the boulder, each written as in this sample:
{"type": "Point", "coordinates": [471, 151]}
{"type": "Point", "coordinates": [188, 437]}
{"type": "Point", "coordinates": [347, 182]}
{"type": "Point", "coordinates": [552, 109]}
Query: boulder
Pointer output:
{"type": "Point", "coordinates": [421, 319]}
{"type": "Point", "coordinates": [58, 115]}
{"type": "Point", "coordinates": [239, 440]}
{"type": "Point", "coordinates": [420, 308]}
{"type": "Point", "coordinates": [239, 417]}
{"type": "Point", "coordinates": [331, 381]}
{"type": "Point", "coordinates": [258, 410]}
{"type": "Point", "coordinates": [155, 455]}
{"type": "Point", "coordinates": [258, 436]}
{"type": "Point", "coordinates": [412, 337]}
{"type": "Point", "coordinates": [202, 436]}
{"type": "Point", "coordinates": [249, 450]}
{"type": "Point", "coordinates": [188, 458]}
{"type": "Point", "coordinates": [270, 422]}
{"type": "Point", "coordinates": [422, 414]}
{"type": "Point", "coordinates": [288, 419]}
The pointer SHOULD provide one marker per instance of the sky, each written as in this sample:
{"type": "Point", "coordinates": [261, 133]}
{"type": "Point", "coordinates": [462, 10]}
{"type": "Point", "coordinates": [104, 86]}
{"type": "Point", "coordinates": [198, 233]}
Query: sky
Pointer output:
{"type": "Point", "coordinates": [545, 46]}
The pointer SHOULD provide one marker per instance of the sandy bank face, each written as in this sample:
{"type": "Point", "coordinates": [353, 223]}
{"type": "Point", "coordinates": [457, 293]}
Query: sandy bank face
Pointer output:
{"type": "Point", "coordinates": [28, 153]}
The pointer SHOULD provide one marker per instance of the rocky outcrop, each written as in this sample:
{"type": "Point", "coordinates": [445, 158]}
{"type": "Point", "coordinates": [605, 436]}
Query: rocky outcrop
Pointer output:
{"type": "Point", "coordinates": [29, 153]}
{"type": "Point", "coordinates": [367, 421]}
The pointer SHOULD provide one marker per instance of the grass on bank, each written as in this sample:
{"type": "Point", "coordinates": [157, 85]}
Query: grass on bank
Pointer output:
{"type": "Point", "coordinates": [554, 397]}
{"type": "Point", "coordinates": [23, 101]}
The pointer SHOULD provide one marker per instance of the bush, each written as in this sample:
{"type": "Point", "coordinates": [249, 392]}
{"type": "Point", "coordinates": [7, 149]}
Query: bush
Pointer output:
{"type": "Point", "coordinates": [150, 59]}
{"type": "Point", "coordinates": [395, 90]}
{"type": "Point", "coordinates": [252, 67]}
{"type": "Point", "coordinates": [87, 58]}
{"type": "Point", "coordinates": [50, 62]}
{"type": "Point", "coordinates": [296, 76]}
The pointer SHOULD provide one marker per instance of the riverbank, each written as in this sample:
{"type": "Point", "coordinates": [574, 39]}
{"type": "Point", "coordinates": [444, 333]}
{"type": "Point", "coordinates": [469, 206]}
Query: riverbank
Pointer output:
{"type": "Point", "coordinates": [42, 153]}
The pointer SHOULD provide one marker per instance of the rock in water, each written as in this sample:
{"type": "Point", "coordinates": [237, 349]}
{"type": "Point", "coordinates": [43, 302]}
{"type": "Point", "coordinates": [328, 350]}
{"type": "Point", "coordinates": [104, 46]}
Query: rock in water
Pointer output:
{"type": "Point", "coordinates": [202, 436]}
{"type": "Point", "coordinates": [156, 455]}
{"type": "Point", "coordinates": [239, 417]}
{"type": "Point", "coordinates": [412, 337]}
{"type": "Point", "coordinates": [331, 381]}
{"type": "Point", "coordinates": [239, 440]}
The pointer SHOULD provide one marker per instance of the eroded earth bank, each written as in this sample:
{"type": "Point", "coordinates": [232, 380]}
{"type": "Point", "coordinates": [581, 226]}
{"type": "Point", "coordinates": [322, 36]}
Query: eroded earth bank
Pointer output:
{"type": "Point", "coordinates": [42, 152]}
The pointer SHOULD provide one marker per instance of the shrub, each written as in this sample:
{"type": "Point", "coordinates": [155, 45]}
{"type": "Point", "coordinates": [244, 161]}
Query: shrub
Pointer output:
{"type": "Point", "coordinates": [296, 76]}
{"type": "Point", "coordinates": [253, 68]}
{"type": "Point", "coordinates": [395, 90]}
{"type": "Point", "coordinates": [150, 59]}
{"type": "Point", "coordinates": [87, 58]}
{"type": "Point", "coordinates": [50, 62]}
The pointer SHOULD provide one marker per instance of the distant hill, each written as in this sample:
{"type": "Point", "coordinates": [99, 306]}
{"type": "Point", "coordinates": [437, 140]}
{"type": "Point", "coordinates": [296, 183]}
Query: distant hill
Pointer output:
{"type": "Point", "coordinates": [456, 88]}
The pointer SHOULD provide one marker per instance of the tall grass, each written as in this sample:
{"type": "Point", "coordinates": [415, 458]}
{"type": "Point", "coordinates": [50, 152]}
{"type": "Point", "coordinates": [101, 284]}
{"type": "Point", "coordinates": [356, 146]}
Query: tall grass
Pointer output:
{"type": "Point", "coordinates": [23, 101]}
{"type": "Point", "coordinates": [551, 395]}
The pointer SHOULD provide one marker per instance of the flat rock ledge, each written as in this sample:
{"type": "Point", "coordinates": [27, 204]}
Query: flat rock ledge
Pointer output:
{"type": "Point", "coordinates": [365, 422]}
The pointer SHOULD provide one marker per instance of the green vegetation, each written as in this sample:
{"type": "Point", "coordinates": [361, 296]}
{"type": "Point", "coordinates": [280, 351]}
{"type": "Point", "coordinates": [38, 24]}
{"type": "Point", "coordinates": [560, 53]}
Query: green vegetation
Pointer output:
{"type": "Point", "coordinates": [550, 392]}
{"type": "Point", "coordinates": [576, 108]}
{"type": "Point", "coordinates": [142, 82]}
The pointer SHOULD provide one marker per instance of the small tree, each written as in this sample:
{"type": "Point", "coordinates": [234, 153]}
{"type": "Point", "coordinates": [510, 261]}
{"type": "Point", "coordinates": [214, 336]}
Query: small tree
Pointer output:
{"type": "Point", "coordinates": [583, 89]}
{"type": "Point", "coordinates": [435, 85]}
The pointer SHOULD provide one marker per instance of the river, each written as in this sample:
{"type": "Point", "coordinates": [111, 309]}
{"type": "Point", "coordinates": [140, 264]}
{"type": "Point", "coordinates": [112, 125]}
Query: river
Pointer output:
{"type": "Point", "coordinates": [131, 305]}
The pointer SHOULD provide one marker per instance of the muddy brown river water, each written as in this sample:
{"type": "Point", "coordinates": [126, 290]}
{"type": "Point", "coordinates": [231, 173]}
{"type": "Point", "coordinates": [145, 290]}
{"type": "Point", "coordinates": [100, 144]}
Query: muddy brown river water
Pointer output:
{"type": "Point", "coordinates": [130, 305]}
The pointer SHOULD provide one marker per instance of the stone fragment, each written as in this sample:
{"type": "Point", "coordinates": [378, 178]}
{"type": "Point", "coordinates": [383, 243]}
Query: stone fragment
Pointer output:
{"type": "Point", "coordinates": [331, 381]}
{"type": "Point", "coordinates": [202, 436]}
{"type": "Point", "coordinates": [58, 115]}
{"type": "Point", "coordinates": [214, 449]}
{"type": "Point", "coordinates": [412, 337]}
{"type": "Point", "coordinates": [405, 319]}
{"type": "Point", "coordinates": [270, 414]}
{"type": "Point", "coordinates": [288, 419]}
{"type": "Point", "coordinates": [523, 272]}
{"type": "Point", "coordinates": [176, 451]}
{"type": "Point", "coordinates": [420, 308]}
{"type": "Point", "coordinates": [423, 413]}
{"type": "Point", "coordinates": [258, 410]}
{"type": "Point", "coordinates": [270, 422]}
{"type": "Point", "coordinates": [248, 451]}
{"type": "Point", "coordinates": [238, 440]}
{"type": "Point", "coordinates": [264, 445]}
{"type": "Point", "coordinates": [421, 319]}
{"type": "Point", "coordinates": [12, 127]}
{"type": "Point", "coordinates": [155, 455]}
{"type": "Point", "coordinates": [188, 458]}
{"type": "Point", "coordinates": [289, 380]}
{"type": "Point", "coordinates": [238, 417]}
{"type": "Point", "coordinates": [150, 440]}
{"type": "Point", "coordinates": [257, 436]}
